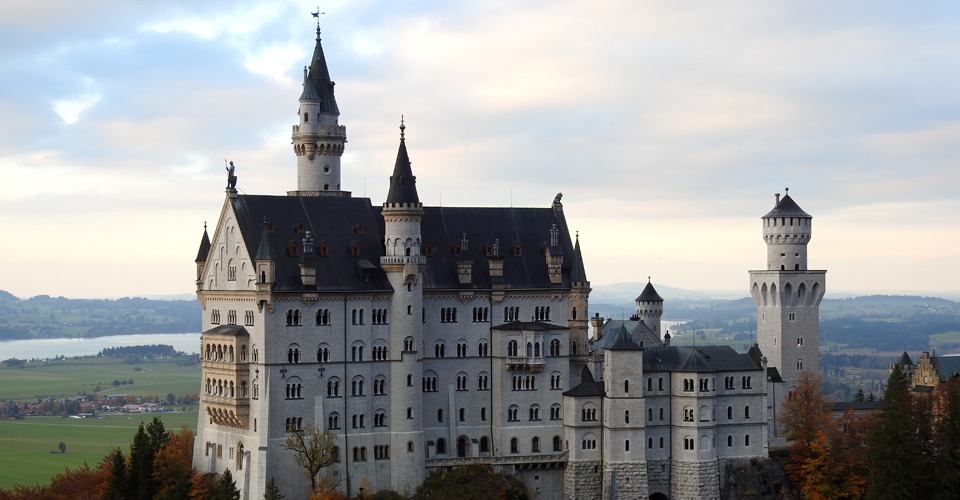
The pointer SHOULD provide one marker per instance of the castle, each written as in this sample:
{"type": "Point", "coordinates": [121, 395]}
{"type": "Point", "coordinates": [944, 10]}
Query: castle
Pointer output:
{"type": "Point", "coordinates": [429, 337]}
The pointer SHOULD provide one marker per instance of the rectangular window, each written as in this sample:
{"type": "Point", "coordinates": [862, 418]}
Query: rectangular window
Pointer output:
{"type": "Point", "coordinates": [792, 316]}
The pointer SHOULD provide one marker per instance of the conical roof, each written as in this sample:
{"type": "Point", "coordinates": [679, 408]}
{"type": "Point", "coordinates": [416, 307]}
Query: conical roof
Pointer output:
{"type": "Point", "coordinates": [786, 207]}
{"type": "Point", "coordinates": [577, 273]}
{"type": "Point", "coordinates": [204, 246]}
{"type": "Point", "coordinates": [905, 360]}
{"type": "Point", "coordinates": [264, 250]}
{"type": "Point", "coordinates": [318, 86]}
{"type": "Point", "coordinates": [649, 294]}
{"type": "Point", "coordinates": [403, 184]}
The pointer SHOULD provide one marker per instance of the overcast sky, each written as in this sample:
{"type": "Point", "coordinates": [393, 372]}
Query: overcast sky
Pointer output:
{"type": "Point", "coordinates": [667, 126]}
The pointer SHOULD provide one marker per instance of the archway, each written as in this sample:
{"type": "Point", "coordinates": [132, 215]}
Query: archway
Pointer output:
{"type": "Point", "coordinates": [462, 446]}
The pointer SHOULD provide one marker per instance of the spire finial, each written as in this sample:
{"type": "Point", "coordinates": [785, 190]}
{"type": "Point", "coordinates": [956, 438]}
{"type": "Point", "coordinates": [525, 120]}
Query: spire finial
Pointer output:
{"type": "Point", "coordinates": [317, 15]}
{"type": "Point", "coordinates": [648, 279]}
{"type": "Point", "coordinates": [577, 233]}
{"type": "Point", "coordinates": [204, 226]}
{"type": "Point", "coordinates": [786, 190]}
{"type": "Point", "coordinates": [402, 127]}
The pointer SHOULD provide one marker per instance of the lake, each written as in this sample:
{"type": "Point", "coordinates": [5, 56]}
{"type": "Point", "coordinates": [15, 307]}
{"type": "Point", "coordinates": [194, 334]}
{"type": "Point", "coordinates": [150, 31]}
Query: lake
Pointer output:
{"type": "Point", "coordinates": [50, 348]}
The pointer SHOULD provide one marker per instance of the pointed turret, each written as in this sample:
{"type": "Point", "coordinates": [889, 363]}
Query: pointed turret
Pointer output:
{"type": "Point", "coordinates": [266, 268]}
{"type": "Point", "coordinates": [578, 274]}
{"type": "Point", "coordinates": [318, 139]}
{"type": "Point", "coordinates": [202, 256]}
{"type": "Point", "coordinates": [403, 184]}
{"type": "Point", "coordinates": [317, 85]}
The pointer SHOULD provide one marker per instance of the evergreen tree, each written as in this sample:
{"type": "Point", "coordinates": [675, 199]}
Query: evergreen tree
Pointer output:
{"type": "Point", "coordinates": [142, 486]}
{"type": "Point", "coordinates": [896, 458]}
{"type": "Point", "coordinates": [272, 491]}
{"type": "Point", "coordinates": [225, 488]}
{"type": "Point", "coordinates": [947, 451]}
{"type": "Point", "coordinates": [157, 434]}
{"type": "Point", "coordinates": [117, 486]}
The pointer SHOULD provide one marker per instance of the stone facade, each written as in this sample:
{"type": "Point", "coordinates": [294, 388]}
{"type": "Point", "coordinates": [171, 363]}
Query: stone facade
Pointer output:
{"type": "Point", "coordinates": [422, 343]}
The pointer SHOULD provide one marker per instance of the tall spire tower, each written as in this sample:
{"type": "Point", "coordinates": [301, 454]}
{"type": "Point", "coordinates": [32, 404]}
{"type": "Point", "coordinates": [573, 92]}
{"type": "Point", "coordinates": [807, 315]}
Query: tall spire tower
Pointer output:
{"type": "Point", "coordinates": [318, 139]}
{"type": "Point", "coordinates": [788, 296]}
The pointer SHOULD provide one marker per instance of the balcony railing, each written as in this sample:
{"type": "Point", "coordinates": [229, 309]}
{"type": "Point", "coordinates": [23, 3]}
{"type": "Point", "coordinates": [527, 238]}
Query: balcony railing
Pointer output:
{"type": "Point", "coordinates": [532, 364]}
{"type": "Point", "coordinates": [543, 458]}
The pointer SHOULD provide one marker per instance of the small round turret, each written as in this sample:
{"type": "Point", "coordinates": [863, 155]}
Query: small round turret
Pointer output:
{"type": "Point", "coordinates": [650, 307]}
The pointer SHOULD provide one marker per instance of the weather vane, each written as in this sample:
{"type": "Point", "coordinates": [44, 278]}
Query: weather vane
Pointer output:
{"type": "Point", "coordinates": [317, 15]}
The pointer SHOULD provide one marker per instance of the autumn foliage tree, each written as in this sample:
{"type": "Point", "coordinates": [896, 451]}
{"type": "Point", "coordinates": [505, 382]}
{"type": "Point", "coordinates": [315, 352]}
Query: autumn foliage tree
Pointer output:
{"type": "Point", "coordinates": [825, 454]}
{"type": "Point", "coordinates": [313, 450]}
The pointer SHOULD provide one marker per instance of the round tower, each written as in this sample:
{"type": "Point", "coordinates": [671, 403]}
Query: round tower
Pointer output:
{"type": "Point", "coordinates": [786, 230]}
{"type": "Point", "coordinates": [787, 296]}
{"type": "Point", "coordinates": [650, 307]}
{"type": "Point", "coordinates": [318, 139]}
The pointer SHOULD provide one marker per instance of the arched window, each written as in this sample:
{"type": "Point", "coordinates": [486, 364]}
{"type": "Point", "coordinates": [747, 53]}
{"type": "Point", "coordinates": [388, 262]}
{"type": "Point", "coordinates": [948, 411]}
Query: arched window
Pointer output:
{"type": "Point", "coordinates": [441, 446]}
{"type": "Point", "coordinates": [556, 443]}
{"type": "Point", "coordinates": [535, 445]}
{"type": "Point", "coordinates": [514, 445]}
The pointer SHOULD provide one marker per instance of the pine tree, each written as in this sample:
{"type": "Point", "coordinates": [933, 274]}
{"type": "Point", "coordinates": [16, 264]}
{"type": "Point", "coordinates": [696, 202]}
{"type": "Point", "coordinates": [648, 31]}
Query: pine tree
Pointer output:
{"type": "Point", "coordinates": [272, 491]}
{"type": "Point", "coordinates": [117, 486]}
{"type": "Point", "coordinates": [142, 486]}
{"type": "Point", "coordinates": [225, 488]}
{"type": "Point", "coordinates": [896, 458]}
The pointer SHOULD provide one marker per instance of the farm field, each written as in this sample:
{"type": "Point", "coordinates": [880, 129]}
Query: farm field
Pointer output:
{"type": "Point", "coordinates": [29, 446]}
{"type": "Point", "coordinates": [75, 376]}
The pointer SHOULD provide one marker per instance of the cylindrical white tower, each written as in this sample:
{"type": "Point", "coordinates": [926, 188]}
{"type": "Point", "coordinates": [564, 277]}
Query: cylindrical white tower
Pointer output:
{"type": "Point", "coordinates": [318, 139]}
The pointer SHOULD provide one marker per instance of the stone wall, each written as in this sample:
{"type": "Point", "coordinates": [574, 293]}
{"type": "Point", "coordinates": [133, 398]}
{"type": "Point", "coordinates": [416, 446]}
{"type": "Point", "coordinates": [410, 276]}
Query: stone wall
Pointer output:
{"type": "Point", "coordinates": [755, 479]}
{"type": "Point", "coordinates": [582, 480]}
{"type": "Point", "coordinates": [698, 480]}
{"type": "Point", "coordinates": [625, 480]}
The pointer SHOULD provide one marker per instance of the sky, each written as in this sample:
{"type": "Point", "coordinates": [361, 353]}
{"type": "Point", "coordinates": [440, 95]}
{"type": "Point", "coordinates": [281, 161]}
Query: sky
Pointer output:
{"type": "Point", "coordinates": [667, 126]}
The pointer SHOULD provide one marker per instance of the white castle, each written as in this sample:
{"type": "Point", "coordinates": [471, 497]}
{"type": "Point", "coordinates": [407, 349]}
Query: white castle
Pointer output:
{"type": "Point", "coordinates": [430, 337]}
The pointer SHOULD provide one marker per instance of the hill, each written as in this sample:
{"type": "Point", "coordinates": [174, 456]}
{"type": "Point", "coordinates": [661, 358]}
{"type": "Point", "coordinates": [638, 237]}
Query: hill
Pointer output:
{"type": "Point", "coordinates": [44, 316]}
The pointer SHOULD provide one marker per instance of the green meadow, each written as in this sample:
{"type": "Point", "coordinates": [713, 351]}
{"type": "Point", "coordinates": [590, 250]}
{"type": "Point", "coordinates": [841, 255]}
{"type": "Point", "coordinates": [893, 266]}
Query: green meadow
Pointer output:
{"type": "Point", "coordinates": [76, 376]}
{"type": "Point", "coordinates": [29, 451]}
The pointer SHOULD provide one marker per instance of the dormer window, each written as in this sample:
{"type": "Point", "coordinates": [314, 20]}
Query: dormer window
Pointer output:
{"type": "Point", "coordinates": [488, 250]}
{"type": "Point", "coordinates": [359, 229]}
{"type": "Point", "coordinates": [456, 251]}
{"type": "Point", "coordinates": [299, 228]}
{"type": "Point", "coordinates": [355, 250]}
{"type": "Point", "coordinates": [517, 251]}
{"type": "Point", "coordinates": [324, 249]}
{"type": "Point", "coordinates": [428, 250]}
{"type": "Point", "coordinates": [293, 249]}
{"type": "Point", "coordinates": [270, 228]}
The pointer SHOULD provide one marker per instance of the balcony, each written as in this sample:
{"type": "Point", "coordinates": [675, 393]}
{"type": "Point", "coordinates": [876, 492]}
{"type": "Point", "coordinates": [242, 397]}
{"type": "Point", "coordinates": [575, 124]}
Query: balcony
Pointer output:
{"type": "Point", "coordinates": [543, 460]}
{"type": "Point", "coordinates": [402, 260]}
{"type": "Point", "coordinates": [522, 363]}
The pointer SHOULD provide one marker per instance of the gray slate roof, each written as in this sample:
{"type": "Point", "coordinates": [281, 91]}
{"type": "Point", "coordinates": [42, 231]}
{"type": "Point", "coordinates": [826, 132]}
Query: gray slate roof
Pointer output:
{"type": "Point", "coordinates": [617, 340]}
{"type": "Point", "coordinates": [587, 388]}
{"type": "Point", "coordinates": [339, 223]}
{"type": "Point", "coordinates": [318, 86]}
{"type": "Point", "coordinates": [204, 246]}
{"type": "Point", "coordinates": [403, 184]}
{"type": "Point", "coordinates": [905, 360]}
{"type": "Point", "coordinates": [698, 359]}
{"type": "Point", "coordinates": [649, 294]}
{"type": "Point", "coordinates": [577, 273]}
{"type": "Point", "coordinates": [227, 330]}
{"type": "Point", "coordinates": [787, 208]}
{"type": "Point", "coordinates": [639, 330]}
{"type": "Point", "coordinates": [947, 367]}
